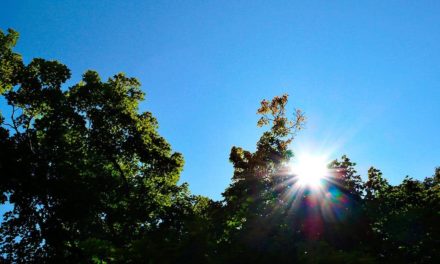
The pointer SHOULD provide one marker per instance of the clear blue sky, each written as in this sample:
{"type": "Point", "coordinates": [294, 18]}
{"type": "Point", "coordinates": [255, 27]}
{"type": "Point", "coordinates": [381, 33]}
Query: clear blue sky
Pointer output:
{"type": "Point", "coordinates": [366, 74]}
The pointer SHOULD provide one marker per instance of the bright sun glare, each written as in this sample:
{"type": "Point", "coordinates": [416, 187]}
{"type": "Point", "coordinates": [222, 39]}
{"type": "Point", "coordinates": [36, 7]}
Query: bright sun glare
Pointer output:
{"type": "Point", "coordinates": [310, 170]}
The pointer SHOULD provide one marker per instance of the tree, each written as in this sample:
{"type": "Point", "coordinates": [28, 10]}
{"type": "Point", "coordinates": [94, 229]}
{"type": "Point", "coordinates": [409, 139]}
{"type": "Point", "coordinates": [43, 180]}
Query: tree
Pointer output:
{"type": "Point", "coordinates": [10, 62]}
{"type": "Point", "coordinates": [259, 183]}
{"type": "Point", "coordinates": [90, 180]}
{"type": "Point", "coordinates": [405, 218]}
{"type": "Point", "coordinates": [270, 218]}
{"type": "Point", "coordinates": [86, 173]}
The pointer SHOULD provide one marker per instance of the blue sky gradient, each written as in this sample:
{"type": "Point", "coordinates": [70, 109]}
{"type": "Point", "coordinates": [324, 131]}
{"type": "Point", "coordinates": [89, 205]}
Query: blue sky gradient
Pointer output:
{"type": "Point", "coordinates": [366, 74]}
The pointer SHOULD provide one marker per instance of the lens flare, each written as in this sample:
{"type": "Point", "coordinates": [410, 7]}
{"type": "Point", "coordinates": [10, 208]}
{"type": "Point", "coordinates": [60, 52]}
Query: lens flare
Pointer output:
{"type": "Point", "coordinates": [309, 170]}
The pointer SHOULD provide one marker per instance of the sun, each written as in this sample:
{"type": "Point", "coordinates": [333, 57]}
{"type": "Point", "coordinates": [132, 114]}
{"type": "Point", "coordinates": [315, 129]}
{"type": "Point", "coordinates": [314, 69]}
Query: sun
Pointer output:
{"type": "Point", "coordinates": [309, 170]}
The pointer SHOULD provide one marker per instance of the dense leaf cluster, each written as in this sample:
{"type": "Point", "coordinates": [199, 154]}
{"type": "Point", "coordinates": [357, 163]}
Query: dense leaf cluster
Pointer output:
{"type": "Point", "coordinates": [89, 180]}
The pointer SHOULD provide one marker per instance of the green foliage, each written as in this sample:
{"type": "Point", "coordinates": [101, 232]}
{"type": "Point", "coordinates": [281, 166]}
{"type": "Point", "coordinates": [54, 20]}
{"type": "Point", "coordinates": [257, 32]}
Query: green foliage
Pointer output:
{"type": "Point", "coordinates": [405, 218]}
{"type": "Point", "coordinates": [91, 180]}
{"type": "Point", "coordinates": [87, 174]}
{"type": "Point", "coordinates": [254, 217]}
{"type": "Point", "coordinates": [10, 62]}
{"type": "Point", "coordinates": [346, 176]}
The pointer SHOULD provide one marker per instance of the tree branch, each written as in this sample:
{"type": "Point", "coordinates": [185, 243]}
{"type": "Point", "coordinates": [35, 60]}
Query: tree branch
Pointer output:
{"type": "Point", "coordinates": [122, 174]}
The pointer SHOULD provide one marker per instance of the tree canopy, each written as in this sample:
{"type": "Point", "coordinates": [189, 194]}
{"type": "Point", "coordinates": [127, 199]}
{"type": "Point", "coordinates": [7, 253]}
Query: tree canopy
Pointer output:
{"type": "Point", "coordinates": [90, 180]}
{"type": "Point", "coordinates": [88, 174]}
